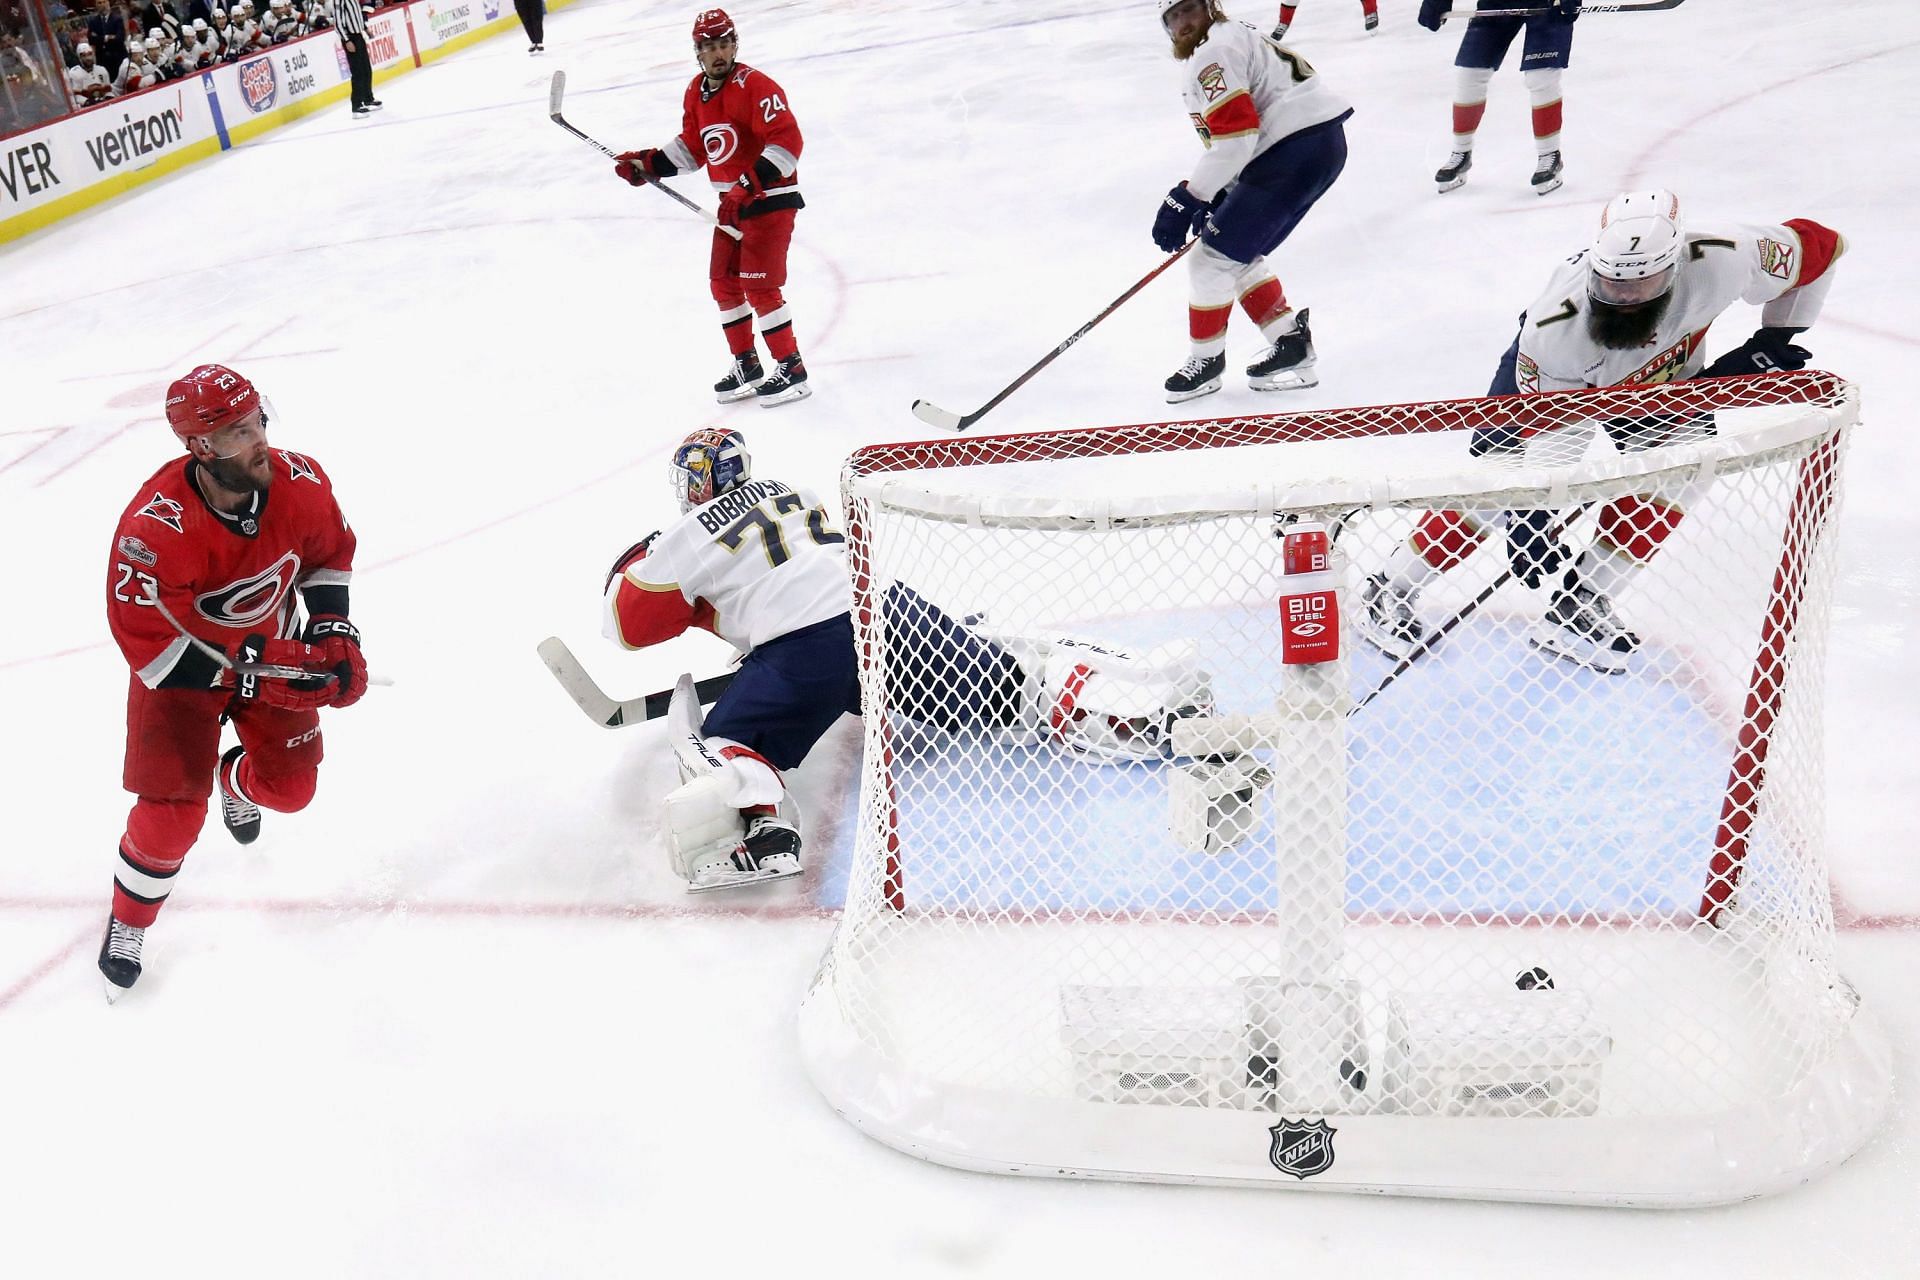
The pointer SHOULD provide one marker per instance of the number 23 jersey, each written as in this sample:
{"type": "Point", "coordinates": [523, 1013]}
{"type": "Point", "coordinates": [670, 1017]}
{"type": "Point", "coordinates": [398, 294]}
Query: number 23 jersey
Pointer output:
{"type": "Point", "coordinates": [753, 564]}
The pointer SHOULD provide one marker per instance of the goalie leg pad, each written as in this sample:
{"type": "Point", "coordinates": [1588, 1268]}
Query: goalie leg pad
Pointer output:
{"type": "Point", "coordinates": [703, 827]}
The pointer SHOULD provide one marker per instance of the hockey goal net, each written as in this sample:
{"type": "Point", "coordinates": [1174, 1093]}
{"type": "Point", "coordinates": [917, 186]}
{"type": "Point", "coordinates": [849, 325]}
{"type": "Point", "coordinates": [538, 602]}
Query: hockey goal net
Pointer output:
{"type": "Point", "coordinates": [1496, 923]}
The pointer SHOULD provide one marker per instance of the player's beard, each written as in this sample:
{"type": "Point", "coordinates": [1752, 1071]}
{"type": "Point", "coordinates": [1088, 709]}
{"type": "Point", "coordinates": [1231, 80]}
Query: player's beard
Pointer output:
{"type": "Point", "coordinates": [1623, 329]}
{"type": "Point", "coordinates": [1183, 46]}
{"type": "Point", "coordinates": [237, 475]}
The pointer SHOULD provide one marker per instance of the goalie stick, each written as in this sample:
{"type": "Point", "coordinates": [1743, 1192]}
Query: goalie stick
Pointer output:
{"type": "Point", "coordinates": [610, 712]}
{"type": "Point", "coordinates": [1645, 6]}
{"type": "Point", "coordinates": [554, 94]}
{"type": "Point", "coordinates": [934, 416]}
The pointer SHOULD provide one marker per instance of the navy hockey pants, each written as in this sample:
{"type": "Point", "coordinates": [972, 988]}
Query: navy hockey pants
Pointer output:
{"type": "Point", "coordinates": [1275, 191]}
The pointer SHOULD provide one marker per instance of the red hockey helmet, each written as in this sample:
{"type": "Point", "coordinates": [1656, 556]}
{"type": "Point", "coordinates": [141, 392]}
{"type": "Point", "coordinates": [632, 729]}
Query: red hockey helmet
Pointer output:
{"type": "Point", "coordinates": [208, 399]}
{"type": "Point", "coordinates": [712, 24]}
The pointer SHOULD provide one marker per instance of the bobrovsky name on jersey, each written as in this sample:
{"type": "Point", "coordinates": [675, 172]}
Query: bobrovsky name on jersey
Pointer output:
{"type": "Point", "coordinates": [728, 507]}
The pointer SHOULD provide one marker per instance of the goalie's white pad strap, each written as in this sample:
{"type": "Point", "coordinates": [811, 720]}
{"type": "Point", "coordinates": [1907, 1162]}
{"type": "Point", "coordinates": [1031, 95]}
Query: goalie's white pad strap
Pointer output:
{"type": "Point", "coordinates": [1215, 804]}
{"type": "Point", "coordinates": [751, 778]}
{"type": "Point", "coordinates": [703, 826]}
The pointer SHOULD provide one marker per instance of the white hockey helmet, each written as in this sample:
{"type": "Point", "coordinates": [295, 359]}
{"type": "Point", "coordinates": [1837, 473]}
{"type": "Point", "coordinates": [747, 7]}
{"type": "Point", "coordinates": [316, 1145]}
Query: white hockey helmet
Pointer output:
{"type": "Point", "coordinates": [1167, 6]}
{"type": "Point", "coordinates": [1635, 257]}
{"type": "Point", "coordinates": [1105, 704]}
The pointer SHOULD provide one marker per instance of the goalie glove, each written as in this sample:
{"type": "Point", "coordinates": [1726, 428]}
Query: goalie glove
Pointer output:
{"type": "Point", "coordinates": [1769, 350]}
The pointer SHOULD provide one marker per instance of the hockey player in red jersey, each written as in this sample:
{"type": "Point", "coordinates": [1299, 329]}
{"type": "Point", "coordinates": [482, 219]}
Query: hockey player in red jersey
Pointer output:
{"type": "Point", "coordinates": [737, 123]}
{"type": "Point", "coordinates": [216, 543]}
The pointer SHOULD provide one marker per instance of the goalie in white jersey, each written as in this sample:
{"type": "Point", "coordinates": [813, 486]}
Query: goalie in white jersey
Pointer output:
{"type": "Point", "coordinates": [759, 563]}
{"type": "Point", "coordinates": [1633, 308]}
{"type": "Point", "coordinates": [1275, 139]}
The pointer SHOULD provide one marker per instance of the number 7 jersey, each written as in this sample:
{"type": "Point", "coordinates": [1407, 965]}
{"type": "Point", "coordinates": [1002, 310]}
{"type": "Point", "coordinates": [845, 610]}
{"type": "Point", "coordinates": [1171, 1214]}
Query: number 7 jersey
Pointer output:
{"type": "Point", "coordinates": [755, 563]}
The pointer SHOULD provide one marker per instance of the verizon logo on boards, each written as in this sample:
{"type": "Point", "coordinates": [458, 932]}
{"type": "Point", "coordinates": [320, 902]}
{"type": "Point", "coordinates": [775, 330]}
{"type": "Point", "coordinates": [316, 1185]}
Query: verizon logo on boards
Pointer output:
{"type": "Point", "coordinates": [138, 137]}
{"type": "Point", "coordinates": [28, 170]}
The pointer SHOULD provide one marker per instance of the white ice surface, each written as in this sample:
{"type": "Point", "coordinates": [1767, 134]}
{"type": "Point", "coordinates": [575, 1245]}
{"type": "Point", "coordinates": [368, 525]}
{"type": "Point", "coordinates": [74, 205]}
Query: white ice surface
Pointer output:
{"type": "Point", "coordinates": [458, 1018]}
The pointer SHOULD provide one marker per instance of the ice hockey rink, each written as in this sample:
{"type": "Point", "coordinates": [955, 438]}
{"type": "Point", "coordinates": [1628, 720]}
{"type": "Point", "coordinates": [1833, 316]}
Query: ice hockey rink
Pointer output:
{"type": "Point", "coordinates": [459, 1018]}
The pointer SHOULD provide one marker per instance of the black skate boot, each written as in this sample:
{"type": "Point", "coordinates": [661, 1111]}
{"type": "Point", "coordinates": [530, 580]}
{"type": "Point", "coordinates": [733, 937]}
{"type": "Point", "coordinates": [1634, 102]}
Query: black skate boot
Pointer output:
{"type": "Point", "coordinates": [241, 815]}
{"type": "Point", "coordinates": [1372, 22]}
{"type": "Point", "coordinates": [1546, 173]}
{"type": "Point", "coordinates": [787, 383]}
{"type": "Point", "coordinates": [772, 844]}
{"type": "Point", "coordinates": [1453, 174]}
{"type": "Point", "coordinates": [1199, 376]}
{"type": "Point", "coordinates": [741, 379]}
{"type": "Point", "coordinates": [1288, 363]}
{"type": "Point", "coordinates": [120, 957]}
{"type": "Point", "coordinates": [1580, 627]}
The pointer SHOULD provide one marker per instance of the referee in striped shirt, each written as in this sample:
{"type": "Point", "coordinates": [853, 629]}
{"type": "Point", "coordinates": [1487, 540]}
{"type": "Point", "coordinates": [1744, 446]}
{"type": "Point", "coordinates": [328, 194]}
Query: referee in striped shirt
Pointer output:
{"type": "Point", "coordinates": [350, 19]}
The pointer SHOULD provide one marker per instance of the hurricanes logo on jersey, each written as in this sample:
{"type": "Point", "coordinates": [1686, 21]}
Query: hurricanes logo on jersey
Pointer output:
{"type": "Point", "coordinates": [298, 468]}
{"type": "Point", "coordinates": [252, 599]}
{"type": "Point", "coordinates": [164, 509]}
{"type": "Point", "coordinates": [1213, 81]}
{"type": "Point", "coordinates": [719, 141]}
{"type": "Point", "coordinates": [1776, 259]}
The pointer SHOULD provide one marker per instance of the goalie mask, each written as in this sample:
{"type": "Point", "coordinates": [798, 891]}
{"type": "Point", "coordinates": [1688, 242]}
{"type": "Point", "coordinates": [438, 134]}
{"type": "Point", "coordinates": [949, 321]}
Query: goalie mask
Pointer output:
{"type": "Point", "coordinates": [707, 464]}
{"type": "Point", "coordinates": [1107, 705]}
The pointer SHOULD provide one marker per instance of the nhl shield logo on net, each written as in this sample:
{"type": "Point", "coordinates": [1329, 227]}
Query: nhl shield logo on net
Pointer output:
{"type": "Point", "coordinates": [1301, 1148]}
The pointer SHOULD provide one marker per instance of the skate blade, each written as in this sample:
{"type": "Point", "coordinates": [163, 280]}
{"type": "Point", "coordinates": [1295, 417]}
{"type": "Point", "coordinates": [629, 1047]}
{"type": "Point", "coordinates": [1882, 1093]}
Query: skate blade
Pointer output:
{"type": "Point", "coordinates": [799, 392]}
{"type": "Point", "coordinates": [1386, 642]}
{"type": "Point", "coordinates": [734, 397]}
{"type": "Point", "coordinates": [1204, 389]}
{"type": "Point", "coordinates": [1551, 185]}
{"type": "Point", "coordinates": [1298, 378]}
{"type": "Point", "coordinates": [738, 879]}
{"type": "Point", "coordinates": [114, 992]}
{"type": "Point", "coordinates": [1583, 653]}
{"type": "Point", "coordinates": [1453, 184]}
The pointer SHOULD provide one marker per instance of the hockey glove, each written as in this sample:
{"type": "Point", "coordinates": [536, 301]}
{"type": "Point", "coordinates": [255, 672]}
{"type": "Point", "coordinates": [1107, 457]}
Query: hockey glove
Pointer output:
{"type": "Point", "coordinates": [1566, 10]}
{"type": "Point", "coordinates": [637, 166]}
{"type": "Point", "coordinates": [339, 644]}
{"type": "Point", "coordinates": [737, 197]}
{"type": "Point", "coordinates": [1532, 550]}
{"type": "Point", "coordinates": [1175, 218]}
{"type": "Point", "coordinates": [629, 557]}
{"type": "Point", "coordinates": [1769, 350]}
{"type": "Point", "coordinates": [302, 693]}
{"type": "Point", "coordinates": [1433, 13]}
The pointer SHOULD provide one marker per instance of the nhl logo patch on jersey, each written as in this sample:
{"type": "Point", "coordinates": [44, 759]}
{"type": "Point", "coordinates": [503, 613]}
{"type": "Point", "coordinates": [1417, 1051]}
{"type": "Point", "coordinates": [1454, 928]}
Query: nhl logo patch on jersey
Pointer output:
{"type": "Point", "coordinates": [1301, 1148]}
{"type": "Point", "coordinates": [1776, 259]}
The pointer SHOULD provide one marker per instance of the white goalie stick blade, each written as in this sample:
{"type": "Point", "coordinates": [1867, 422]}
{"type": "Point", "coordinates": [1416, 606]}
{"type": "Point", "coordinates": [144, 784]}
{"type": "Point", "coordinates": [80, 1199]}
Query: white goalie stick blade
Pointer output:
{"type": "Point", "coordinates": [612, 712]}
{"type": "Point", "coordinates": [934, 416]}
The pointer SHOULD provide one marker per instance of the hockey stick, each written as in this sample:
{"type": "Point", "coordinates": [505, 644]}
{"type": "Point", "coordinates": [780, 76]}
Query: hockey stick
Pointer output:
{"type": "Point", "coordinates": [934, 416]}
{"type": "Point", "coordinates": [609, 712]}
{"type": "Point", "coordinates": [1467, 610]}
{"type": "Point", "coordinates": [1645, 6]}
{"type": "Point", "coordinates": [553, 114]}
{"type": "Point", "coordinates": [271, 670]}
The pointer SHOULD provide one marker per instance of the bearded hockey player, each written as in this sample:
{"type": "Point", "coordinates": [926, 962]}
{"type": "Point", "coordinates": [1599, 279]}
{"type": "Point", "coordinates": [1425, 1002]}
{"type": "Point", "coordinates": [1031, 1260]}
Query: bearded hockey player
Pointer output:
{"type": "Point", "coordinates": [1274, 139]}
{"type": "Point", "coordinates": [221, 539]}
{"type": "Point", "coordinates": [759, 563]}
{"type": "Point", "coordinates": [737, 123]}
{"type": "Point", "coordinates": [1630, 309]}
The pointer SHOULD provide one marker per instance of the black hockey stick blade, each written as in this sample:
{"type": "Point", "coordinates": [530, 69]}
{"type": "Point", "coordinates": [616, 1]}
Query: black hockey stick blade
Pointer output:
{"type": "Point", "coordinates": [1536, 11]}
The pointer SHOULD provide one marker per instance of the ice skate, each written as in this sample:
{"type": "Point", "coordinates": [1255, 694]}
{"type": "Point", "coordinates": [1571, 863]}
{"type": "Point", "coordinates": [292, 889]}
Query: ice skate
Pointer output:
{"type": "Point", "coordinates": [1453, 174]}
{"type": "Point", "coordinates": [787, 383]}
{"type": "Point", "coordinates": [1546, 174]}
{"type": "Point", "coordinates": [1579, 626]}
{"type": "Point", "coordinates": [241, 815]}
{"type": "Point", "coordinates": [1199, 376]}
{"type": "Point", "coordinates": [769, 851]}
{"type": "Point", "coordinates": [743, 376]}
{"type": "Point", "coordinates": [120, 957]}
{"type": "Point", "coordinates": [1287, 364]}
{"type": "Point", "coordinates": [1387, 619]}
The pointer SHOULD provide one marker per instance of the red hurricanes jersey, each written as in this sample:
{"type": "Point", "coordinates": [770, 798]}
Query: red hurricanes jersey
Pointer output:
{"type": "Point", "coordinates": [727, 131]}
{"type": "Point", "coordinates": [224, 577]}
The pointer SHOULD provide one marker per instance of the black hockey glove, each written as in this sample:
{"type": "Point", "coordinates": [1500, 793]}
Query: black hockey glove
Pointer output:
{"type": "Point", "coordinates": [1175, 218]}
{"type": "Point", "coordinates": [1769, 350]}
{"type": "Point", "coordinates": [1433, 13]}
{"type": "Point", "coordinates": [1566, 10]}
{"type": "Point", "coordinates": [1532, 550]}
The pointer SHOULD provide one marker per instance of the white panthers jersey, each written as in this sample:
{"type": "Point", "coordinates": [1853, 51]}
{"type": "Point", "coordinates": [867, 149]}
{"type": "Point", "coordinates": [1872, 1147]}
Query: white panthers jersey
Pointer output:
{"type": "Point", "coordinates": [1244, 93]}
{"type": "Point", "coordinates": [1756, 264]}
{"type": "Point", "coordinates": [764, 558]}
